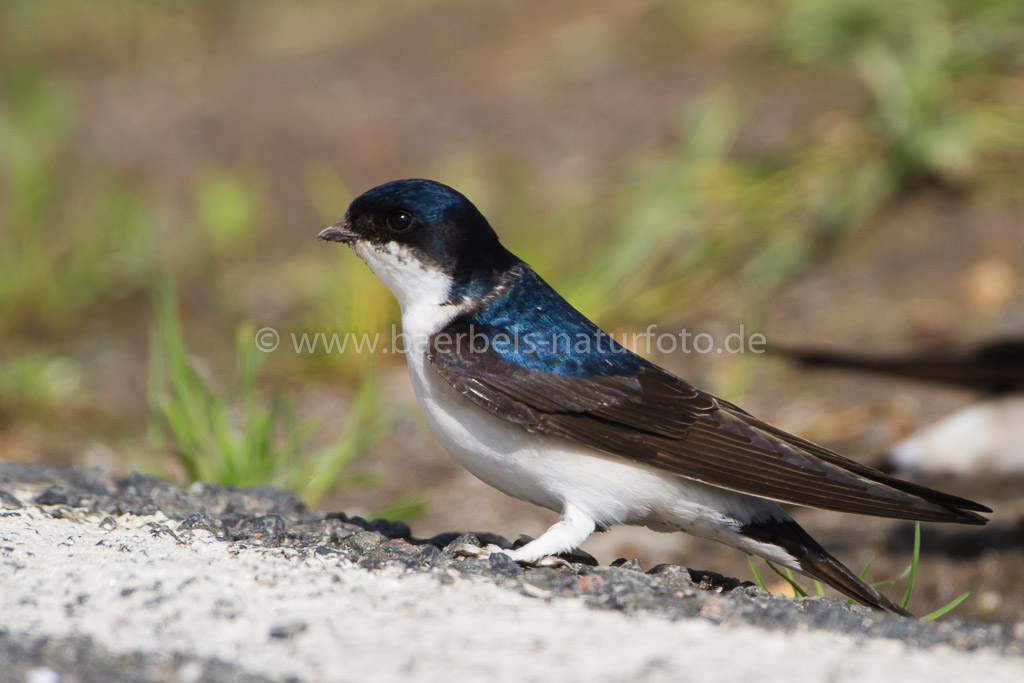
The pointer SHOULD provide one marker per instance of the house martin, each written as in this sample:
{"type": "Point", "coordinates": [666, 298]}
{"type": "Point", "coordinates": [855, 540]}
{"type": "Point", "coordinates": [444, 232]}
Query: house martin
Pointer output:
{"type": "Point", "coordinates": [534, 399]}
{"type": "Point", "coordinates": [984, 439]}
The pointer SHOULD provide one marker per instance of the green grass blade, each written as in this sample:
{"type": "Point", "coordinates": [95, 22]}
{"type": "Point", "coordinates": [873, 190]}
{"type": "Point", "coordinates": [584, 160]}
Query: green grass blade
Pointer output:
{"type": "Point", "coordinates": [788, 576]}
{"type": "Point", "coordinates": [864, 572]}
{"type": "Point", "coordinates": [404, 508]}
{"type": "Point", "coordinates": [931, 616]}
{"type": "Point", "coordinates": [913, 565]}
{"type": "Point", "coordinates": [792, 582]}
{"type": "Point", "coordinates": [757, 574]}
{"type": "Point", "coordinates": [888, 582]}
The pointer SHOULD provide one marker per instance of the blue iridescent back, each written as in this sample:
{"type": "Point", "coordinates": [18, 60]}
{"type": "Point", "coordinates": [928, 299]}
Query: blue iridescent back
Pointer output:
{"type": "Point", "coordinates": [532, 326]}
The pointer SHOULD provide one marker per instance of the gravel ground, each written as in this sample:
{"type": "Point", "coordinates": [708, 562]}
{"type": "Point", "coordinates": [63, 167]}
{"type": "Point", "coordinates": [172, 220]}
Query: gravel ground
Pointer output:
{"type": "Point", "coordinates": [106, 577]}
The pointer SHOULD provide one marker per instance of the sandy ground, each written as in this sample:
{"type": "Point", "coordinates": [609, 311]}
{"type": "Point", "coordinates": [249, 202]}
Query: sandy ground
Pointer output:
{"type": "Point", "coordinates": [279, 613]}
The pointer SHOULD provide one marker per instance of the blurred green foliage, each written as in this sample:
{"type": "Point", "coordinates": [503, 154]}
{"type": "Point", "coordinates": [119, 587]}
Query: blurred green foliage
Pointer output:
{"type": "Point", "coordinates": [919, 61]}
{"type": "Point", "coordinates": [37, 383]}
{"type": "Point", "coordinates": [227, 210]}
{"type": "Point", "coordinates": [700, 214]}
{"type": "Point", "coordinates": [236, 437]}
{"type": "Point", "coordinates": [72, 231]}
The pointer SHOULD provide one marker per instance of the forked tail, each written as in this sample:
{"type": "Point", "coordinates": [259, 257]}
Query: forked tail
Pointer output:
{"type": "Point", "coordinates": [812, 560]}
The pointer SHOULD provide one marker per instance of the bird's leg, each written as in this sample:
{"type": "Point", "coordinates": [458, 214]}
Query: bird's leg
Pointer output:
{"type": "Point", "coordinates": [572, 528]}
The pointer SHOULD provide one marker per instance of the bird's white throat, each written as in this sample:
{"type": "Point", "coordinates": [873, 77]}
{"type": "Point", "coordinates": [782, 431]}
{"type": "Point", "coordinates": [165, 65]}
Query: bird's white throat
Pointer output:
{"type": "Point", "coordinates": [422, 291]}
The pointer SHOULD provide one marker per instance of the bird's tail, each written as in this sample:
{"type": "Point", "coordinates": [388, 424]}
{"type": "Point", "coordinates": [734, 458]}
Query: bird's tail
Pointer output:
{"type": "Point", "coordinates": [827, 569]}
{"type": "Point", "coordinates": [996, 367]}
{"type": "Point", "coordinates": [811, 559]}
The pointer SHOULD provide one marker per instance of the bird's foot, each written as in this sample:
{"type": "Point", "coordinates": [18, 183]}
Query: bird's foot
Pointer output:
{"type": "Point", "coordinates": [552, 561]}
{"type": "Point", "coordinates": [464, 549]}
{"type": "Point", "coordinates": [470, 550]}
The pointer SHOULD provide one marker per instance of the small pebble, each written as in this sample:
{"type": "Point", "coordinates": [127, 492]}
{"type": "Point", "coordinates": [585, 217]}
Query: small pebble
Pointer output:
{"type": "Point", "coordinates": [290, 630]}
{"type": "Point", "coordinates": [8, 501]}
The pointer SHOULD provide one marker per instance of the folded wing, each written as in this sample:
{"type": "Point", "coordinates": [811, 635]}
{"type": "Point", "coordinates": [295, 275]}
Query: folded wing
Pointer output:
{"type": "Point", "coordinates": [650, 416]}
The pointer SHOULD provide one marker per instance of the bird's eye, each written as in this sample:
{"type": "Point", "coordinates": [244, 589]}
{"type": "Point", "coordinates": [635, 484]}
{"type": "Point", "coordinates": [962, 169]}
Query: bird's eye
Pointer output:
{"type": "Point", "coordinates": [401, 221]}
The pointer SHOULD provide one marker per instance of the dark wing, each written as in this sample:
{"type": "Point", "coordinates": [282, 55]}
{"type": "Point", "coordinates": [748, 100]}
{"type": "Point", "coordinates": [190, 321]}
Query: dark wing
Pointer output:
{"type": "Point", "coordinates": [653, 417]}
{"type": "Point", "coordinates": [995, 367]}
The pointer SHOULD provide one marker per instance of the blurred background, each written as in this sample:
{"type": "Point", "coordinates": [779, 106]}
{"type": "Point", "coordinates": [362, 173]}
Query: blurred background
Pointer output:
{"type": "Point", "coordinates": [824, 172]}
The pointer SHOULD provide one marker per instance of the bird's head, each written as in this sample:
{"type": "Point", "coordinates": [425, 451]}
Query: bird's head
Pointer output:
{"type": "Point", "coordinates": [424, 240]}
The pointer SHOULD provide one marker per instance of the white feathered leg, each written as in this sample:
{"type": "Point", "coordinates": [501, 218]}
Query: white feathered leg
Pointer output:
{"type": "Point", "coordinates": [571, 529]}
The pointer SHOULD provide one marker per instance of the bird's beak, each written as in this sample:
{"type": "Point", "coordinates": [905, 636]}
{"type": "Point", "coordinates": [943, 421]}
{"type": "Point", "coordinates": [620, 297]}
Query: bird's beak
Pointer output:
{"type": "Point", "coordinates": [339, 232]}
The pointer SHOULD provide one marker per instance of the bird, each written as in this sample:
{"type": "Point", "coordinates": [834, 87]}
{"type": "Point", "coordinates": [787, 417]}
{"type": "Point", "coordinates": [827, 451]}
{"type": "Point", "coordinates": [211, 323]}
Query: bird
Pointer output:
{"type": "Point", "coordinates": [534, 399]}
{"type": "Point", "coordinates": [994, 367]}
{"type": "Point", "coordinates": [985, 438]}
